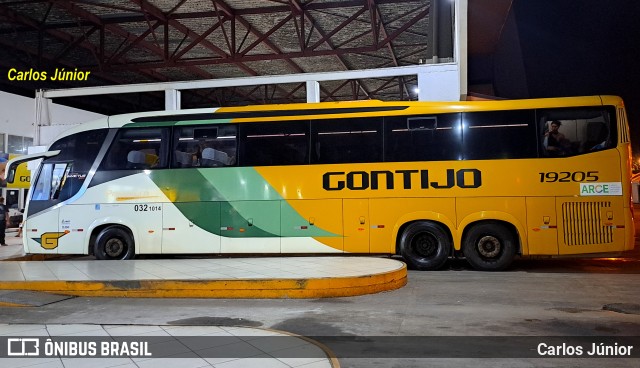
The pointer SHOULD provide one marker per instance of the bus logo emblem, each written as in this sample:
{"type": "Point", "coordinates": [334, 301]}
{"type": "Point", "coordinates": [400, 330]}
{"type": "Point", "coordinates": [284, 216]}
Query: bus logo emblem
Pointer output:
{"type": "Point", "coordinates": [49, 240]}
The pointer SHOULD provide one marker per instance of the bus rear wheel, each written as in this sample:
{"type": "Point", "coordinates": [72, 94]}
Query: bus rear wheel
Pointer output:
{"type": "Point", "coordinates": [114, 242]}
{"type": "Point", "coordinates": [490, 246]}
{"type": "Point", "coordinates": [425, 245]}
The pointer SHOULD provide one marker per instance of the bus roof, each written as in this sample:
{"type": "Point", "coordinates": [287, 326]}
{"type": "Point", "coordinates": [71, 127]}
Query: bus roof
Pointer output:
{"type": "Point", "coordinates": [334, 109]}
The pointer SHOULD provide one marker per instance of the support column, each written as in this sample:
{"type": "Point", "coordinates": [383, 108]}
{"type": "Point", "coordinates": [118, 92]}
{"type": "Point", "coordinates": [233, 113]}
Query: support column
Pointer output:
{"type": "Point", "coordinates": [423, 84]}
{"type": "Point", "coordinates": [461, 14]}
{"type": "Point", "coordinates": [172, 99]}
{"type": "Point", "coordinates": [313, 91]}
{"type": "Point", "coordinates": [441, 38]}
{"type": "Point", "coordinates": [37, 115]}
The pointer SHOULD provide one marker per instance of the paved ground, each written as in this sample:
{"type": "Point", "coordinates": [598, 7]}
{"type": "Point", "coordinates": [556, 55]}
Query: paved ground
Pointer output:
{"type": "Point", "coordinates": [559, 298]}
{"type": "Point", "coordinates": [163, 346]}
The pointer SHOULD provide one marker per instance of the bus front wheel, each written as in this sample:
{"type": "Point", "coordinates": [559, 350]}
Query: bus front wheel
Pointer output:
{"type": "Point", "coordinates": [114, 242]}
{"type": "Point", "coordinates": [425, 245]}
{"type": "Point", "coordinates": [489, 246]}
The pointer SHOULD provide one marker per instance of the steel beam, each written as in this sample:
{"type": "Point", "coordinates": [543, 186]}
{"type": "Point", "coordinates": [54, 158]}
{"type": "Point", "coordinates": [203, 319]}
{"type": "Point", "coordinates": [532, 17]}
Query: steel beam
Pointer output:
{"type": "Point", "coordinates": [258, 80]}
{"type": "Point", "coordinates": [160, 56]}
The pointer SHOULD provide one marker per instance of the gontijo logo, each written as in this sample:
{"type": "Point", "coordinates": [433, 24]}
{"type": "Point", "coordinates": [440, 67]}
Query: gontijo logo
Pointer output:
{"type": "Point", "coordinates": [408, 179]}
{"type": "Point", "coordinates": [50, 240]}
{"type": "Point", "coordinates": [601, 189]}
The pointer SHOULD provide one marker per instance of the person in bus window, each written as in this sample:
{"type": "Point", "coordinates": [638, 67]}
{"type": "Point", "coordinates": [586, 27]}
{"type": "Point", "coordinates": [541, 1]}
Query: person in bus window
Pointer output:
{"type": "Point", "coordinates": [555, 143]}
{"type": "Point", "coordinates": [196, 155]}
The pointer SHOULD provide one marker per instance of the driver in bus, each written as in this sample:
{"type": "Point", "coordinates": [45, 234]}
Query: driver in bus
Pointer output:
{"type": "Point", "coordinates": [555, 143]}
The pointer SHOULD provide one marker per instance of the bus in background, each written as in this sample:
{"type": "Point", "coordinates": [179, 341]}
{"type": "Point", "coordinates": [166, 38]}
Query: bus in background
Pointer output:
{"type": "Point", "coordinates": [489, 180]}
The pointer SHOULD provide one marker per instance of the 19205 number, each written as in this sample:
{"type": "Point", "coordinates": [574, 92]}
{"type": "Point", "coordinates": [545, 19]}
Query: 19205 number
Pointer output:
{"type": "Point", "coordinates": [568, 176]}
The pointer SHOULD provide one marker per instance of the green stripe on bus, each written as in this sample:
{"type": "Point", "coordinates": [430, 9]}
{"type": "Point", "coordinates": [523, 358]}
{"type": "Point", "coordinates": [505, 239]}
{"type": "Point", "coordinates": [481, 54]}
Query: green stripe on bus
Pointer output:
{"type": "Point", "coordinates": [201, 203]}
{"type": "Point", "coordinates": [239, 199]}
{"type": "Point", "coordinates": [199, 122]}
{"type": "Point", "coordinates": [245, 183]}
{"type": "Point", "coordinates": [205, 215]}
{"type": "Point", "coordinates": [240, 184]}
{"type": "Point", "coordinates": [151, 124]}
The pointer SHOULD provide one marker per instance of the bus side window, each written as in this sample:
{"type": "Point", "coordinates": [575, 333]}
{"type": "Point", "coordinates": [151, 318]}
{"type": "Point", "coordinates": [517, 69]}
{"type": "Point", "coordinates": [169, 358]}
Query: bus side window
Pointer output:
{"type": "Point", "coordinates": [277, 143]}
{"type": "Point", "coordinates": [191, 143]}
{"type": "Point", "coordinates": [182, 159]}
{"type": "Point", "coordinates": [597, 136]}
{"type": "Point", "coordinates": [506, 134]}
{"type": "Point", "coordinates": [138, 149]}
{"type": "Point", "coordinates": [422, 138]}
{"type": "Point", "coordinates": [346, 140]}
{"type": "Point", "coordinates": [584, 129]}
{"type": "Point", "coordinates": [51, 181]}
{"type": "Point", "coordinates": [137, 160]}
{"type": "Point", "coordinates": [42, 187]}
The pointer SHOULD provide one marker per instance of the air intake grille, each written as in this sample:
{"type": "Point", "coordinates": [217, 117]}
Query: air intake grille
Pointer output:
{"type": "Point", "coordinates": [622, 127]}
{"type": "Point", "coordinates": [583, 225]}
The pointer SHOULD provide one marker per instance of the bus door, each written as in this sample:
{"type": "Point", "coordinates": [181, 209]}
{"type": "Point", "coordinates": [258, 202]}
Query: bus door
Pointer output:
{"type": "Point", "coordinates": [191, 227]}
{"type": "Point", "coordinates": [542, 226]}
{"type": "Point", "coordinates": [44, 230]}
{"type": "Point", "coordinates": [250, 227]}
{"type": "Point", "coordinates": [591, 225]}
{"type": "Point", "coordinates": [311, 226]}
{"type": "Point", "coordinates": [356, 225]}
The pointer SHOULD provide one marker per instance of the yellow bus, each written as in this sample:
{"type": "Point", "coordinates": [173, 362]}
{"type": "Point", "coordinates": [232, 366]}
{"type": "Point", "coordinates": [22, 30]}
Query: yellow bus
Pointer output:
{"type": "Point", "coordinates": [490, 180]}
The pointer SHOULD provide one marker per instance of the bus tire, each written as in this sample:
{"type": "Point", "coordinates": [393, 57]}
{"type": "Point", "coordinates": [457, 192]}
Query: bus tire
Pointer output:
{"type": "Point", "coordinates": [425, 245]}
{"type": "Point", "coordinates": [114, 242]}
{"type": "Point", "coordinates": [490, 246]}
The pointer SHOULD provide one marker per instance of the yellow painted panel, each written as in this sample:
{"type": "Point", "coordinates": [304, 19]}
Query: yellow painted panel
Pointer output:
{"type": "Point", "coordinates": [356, 225]}
{"type": "Point", "coordinates": [542, 226]}
{"type": "Point", "coordinates": [315, 216]}
{"type": "Point", "coordinates": [324, 214]}
{"type": "Point", "coordinates": [446, 179]}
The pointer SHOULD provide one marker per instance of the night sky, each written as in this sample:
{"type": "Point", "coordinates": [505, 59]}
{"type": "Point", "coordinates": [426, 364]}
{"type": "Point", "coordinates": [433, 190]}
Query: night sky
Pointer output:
{"type": "Point", "coordinates": [584, 47]}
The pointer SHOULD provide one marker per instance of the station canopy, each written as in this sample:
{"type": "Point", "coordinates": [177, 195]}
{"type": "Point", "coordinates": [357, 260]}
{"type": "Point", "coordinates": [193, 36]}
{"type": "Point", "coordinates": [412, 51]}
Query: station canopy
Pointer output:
{"type": "Point", "coordinates": [141, 41]}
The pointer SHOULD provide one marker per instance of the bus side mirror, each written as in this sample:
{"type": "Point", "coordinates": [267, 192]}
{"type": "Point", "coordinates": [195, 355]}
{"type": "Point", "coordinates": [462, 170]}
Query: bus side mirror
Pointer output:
{"type": "Point", "coordinates": [10, 171]}
{"type": "Point", "coordinates": [12, 165]}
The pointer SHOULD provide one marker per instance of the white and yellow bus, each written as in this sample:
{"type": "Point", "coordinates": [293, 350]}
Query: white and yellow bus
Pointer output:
{"type": "Point", "coordinates": [425, 180]}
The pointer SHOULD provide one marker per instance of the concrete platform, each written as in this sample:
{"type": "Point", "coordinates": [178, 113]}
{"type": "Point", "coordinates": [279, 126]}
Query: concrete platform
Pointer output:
{"type": "Point", "coordinates": [237, 277]}
{"type": "Point", "coordinates": [273, 277]}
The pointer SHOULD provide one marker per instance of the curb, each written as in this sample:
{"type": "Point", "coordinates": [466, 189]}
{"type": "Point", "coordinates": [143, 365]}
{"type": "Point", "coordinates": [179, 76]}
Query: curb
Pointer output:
{"type": "Point", "coordinates": [331, 287]}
